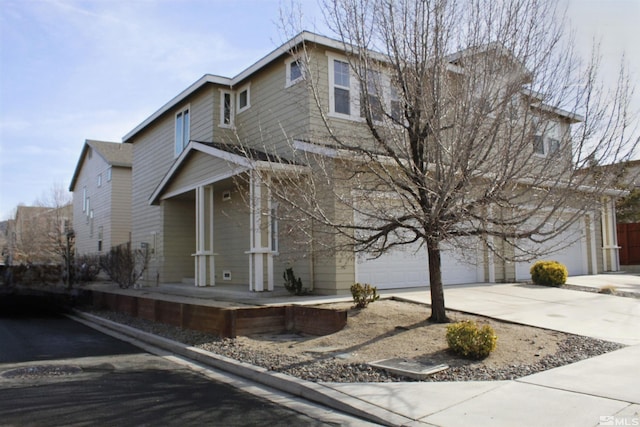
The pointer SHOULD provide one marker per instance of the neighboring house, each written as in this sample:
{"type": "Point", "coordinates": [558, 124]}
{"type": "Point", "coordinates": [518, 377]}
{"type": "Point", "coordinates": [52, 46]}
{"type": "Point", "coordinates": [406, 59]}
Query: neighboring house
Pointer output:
{"type": "Point", "coordinates": [628, 216]}
{"type": "Point", "coordinates": [38, 234]}
{"type": "Point", "coordinates": [101, 186]}
{"type": "Point", "coordinates": [5, 240]}
{"type": "Point", "coordinates": [208, 219]}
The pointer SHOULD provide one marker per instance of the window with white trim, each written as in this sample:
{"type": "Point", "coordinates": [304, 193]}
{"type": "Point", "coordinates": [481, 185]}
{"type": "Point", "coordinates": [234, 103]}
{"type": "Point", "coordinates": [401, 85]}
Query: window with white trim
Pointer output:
{"type": "Point", "coordinates": [84, 199]}
{"type": "Point", "coordinates": [340, 87]}
{"type": "Point", "coordinates": [244, 98]}
{"type": "Point", "coordinates": [546, 142]}
{"type": "Point", "coordinates": [99, 180]}
{"type": "Point", "coordinates": [100, 236]}
{"type": "Point", "coordinates": [373, 96]}
{"type": "Point", "coordinates": [183, 129]}
{"type": "Point", "coordinates": [226, 108]}
{"type": "Point", "coordinates": [538, 145]}
{"type": "Point", "coordinates": [109, 175]}
{"type": "Point", "coordinates": [294, 71]}
{"type": "Point", "coordinates": [396, 105]}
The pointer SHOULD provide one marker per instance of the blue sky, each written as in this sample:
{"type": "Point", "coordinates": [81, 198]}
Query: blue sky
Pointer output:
{"type": "Point", "coordinates": [72, 70]}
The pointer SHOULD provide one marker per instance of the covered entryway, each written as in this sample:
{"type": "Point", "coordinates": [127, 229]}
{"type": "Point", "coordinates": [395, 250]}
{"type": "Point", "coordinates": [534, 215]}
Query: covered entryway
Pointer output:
{"type": "Point", "coordinates": [217, 190]}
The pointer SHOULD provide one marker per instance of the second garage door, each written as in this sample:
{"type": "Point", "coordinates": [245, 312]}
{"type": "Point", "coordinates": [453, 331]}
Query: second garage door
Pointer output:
{"type": "Point", "coordinates": [570, 250]}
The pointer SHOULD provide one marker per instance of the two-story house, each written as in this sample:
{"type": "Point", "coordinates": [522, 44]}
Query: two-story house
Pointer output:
{"type": "Point", "coordinates": [101, 186]}
{"type": "Point", "coordinates": [201, 207]}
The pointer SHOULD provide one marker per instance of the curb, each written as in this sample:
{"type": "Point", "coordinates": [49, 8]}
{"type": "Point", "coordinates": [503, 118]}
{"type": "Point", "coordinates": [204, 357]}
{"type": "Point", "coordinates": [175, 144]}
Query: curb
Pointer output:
{"type": "Point", "coordinates": [308, 390]}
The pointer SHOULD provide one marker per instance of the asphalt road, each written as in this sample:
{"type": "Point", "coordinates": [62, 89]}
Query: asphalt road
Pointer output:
{"type": "Point", "coordinates": [55, 372]}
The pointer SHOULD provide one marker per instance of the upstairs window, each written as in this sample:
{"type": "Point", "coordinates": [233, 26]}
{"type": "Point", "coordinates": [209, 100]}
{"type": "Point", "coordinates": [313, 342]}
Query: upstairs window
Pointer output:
{"type": "Point", "coordinates": [99, 180]}
{"type": "Point", "coordinates": [538, 145]}
{"type": "Point", "coordinates": [341, 88]}
{"type": "Point", "coordinates": [396, 105]}
{"type": "Point", "coordinates": [373, 97]}
{"type": "Point", "coordinates": [544, 146]}
{"type": "Point", "coordinates": [294, 71]}
{"type": "Point", "coordinates": [109, 175]}
{"type": "Point", "coordinates": [226, 109]}
{"type": "Point", "coordinates": [244, 98]}
{"type": "Point", "coordinates": [182, 131]}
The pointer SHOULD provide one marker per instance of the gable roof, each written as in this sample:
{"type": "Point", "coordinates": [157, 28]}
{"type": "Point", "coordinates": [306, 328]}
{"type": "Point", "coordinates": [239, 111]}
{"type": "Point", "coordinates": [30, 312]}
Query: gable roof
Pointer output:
{"type": "Point", "coordinates": [240, 159]}
{"type": "Point", "coordinates": [285, 48]}
{"type": "Point", "coordinates": [304, 37]}
{"type": "Point", "coordinates": [113, 153]}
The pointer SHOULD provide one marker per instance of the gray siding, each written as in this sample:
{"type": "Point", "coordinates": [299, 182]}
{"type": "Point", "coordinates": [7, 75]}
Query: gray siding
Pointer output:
{"type": "Point", "coordinates": [110, 202]}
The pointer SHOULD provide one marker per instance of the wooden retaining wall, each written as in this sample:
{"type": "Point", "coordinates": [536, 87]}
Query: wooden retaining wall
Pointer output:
{"type": "Point", "coordinates": [226, 322]}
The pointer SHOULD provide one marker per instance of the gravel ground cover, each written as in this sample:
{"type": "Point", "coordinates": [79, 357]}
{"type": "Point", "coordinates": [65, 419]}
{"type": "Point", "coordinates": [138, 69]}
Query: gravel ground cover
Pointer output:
{"type": "Point", "coordinates": [389, 329]}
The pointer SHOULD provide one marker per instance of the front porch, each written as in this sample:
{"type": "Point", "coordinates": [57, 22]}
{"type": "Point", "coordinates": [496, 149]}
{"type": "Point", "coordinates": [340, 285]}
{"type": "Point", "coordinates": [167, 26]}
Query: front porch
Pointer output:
{"type": "Point", "coordinates": [220, 222]}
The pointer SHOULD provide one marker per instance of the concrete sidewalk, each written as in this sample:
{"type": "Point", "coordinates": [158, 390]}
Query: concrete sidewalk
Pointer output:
{"type": "Point", "coordinates": [599, 391]}
{"type": "Point", "coordinates": [574, 395]}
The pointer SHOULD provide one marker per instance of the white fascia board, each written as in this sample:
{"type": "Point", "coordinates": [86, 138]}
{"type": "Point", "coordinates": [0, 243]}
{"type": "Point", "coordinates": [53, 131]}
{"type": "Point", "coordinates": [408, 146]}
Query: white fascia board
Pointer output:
{"type": "Point", "coordinates": [207, 78]}
{"type": "Point", "coordinates": [243, 162]}
{"type": "Point", "coordinates": [281, 167]}
{"type": "Point", "coordinates": [221, 154]}
{"type": "Point", "coordinates": [304, 36]}
{"type": "Point", "coordinates": [572, 117]}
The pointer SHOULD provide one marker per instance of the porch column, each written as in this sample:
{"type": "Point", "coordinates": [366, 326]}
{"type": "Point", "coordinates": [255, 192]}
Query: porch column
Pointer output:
{"type": "Point", "coordinates": [610, 248]}
{"type": "Point", "coordinates": [204, 256]}
{"type": "Point", "coordinates": [260, 252]}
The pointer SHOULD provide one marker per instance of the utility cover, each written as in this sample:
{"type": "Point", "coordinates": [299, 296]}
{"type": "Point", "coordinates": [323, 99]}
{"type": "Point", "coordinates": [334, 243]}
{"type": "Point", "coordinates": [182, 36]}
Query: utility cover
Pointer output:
{"type": "Point", "coordinates": [409, 368]}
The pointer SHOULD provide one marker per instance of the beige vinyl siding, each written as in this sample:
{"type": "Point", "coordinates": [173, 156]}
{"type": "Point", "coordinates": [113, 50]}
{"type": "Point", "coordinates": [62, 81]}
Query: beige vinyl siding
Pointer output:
{"type": "Point", "coordinates": [202, 114]}
{"type": "Point", "coordinates": [179, 232]}
{"type": "Point", "coordinates": [199, 169]}
{"type": "Point", "coordinates": [120, 207]}
{"type": "Point", "coordinates": [100, 199]}
{"type": "Point", "coordinates": [153, 155]}
{"type": "Point", "coordinates": [231, 233]}
{"type": "Point", "coordinates": [277, 114]}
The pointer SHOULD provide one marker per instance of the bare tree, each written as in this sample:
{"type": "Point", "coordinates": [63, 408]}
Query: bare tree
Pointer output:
{"type": "Point", "coordinates": [56, 236]}
{"type": "Point", "coordinates": [476, 123]}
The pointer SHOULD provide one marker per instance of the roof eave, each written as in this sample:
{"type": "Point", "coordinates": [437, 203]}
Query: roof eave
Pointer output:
{"type": "Point", "coordinates": [206, 79]}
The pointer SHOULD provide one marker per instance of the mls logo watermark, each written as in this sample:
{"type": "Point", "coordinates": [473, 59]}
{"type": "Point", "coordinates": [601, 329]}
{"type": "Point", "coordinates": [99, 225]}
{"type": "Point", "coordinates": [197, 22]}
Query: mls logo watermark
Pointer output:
{"type": "Point", "coordinates": [611, 420]}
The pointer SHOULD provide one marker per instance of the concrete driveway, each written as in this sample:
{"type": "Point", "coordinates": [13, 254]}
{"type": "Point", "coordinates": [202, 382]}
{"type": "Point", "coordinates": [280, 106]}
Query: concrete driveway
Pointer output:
{"type": "Point", "coordinates": [606, 317]}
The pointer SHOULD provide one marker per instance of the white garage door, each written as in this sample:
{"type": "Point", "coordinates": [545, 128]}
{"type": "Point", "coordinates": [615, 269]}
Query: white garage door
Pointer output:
{"type": "Point", "coordinates": [407, 266]}
{"type": "Point", "coordinates": [569, 248]}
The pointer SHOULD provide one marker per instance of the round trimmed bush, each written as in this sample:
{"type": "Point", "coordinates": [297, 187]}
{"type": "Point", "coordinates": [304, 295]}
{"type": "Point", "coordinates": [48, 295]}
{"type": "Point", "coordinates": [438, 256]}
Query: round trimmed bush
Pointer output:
{"type": "Point", "coordinates": [549, 273]}
{"type": "Point", "coordinates": [468, 340]}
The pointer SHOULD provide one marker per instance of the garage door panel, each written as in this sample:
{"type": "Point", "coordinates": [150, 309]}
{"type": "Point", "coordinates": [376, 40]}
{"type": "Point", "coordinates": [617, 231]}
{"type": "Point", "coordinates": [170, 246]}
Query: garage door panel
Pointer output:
{"type": "Point", "coordinates": [566, 248]}
{"type": "Point", "coordinates": [407, 266]}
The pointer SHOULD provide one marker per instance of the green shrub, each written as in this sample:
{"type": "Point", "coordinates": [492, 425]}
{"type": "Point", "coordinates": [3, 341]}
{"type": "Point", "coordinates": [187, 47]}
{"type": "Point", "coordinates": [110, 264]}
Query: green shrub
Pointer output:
{"type": "Point", "coordinates": [292, 283]}
{"type": "Point", "coordinates": [364, 294]}
{"type": "Point", "coordinates": [549, 273]}
{"type": "Point", "coordinates": [468, 340]}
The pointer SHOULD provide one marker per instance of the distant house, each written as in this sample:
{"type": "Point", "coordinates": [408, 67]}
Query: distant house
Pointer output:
{"type": "Point", "coordinates": [207, 218]}
{"type": "Point", "coordinates": [38, 234]}
{"type": "Point", "coordinates": [101, 186]}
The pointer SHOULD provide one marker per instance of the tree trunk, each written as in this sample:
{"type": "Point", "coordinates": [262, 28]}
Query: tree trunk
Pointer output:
{"type": "Point", "coordinates": [438, 313]}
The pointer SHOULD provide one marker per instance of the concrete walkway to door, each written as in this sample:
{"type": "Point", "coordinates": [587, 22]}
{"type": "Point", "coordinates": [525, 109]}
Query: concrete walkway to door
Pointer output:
{"type": "Point", "coordinates": [589, 314]}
